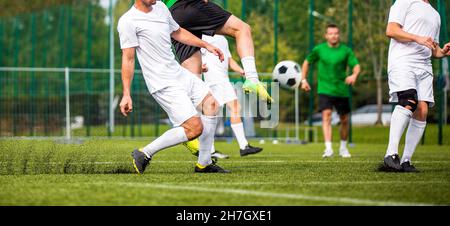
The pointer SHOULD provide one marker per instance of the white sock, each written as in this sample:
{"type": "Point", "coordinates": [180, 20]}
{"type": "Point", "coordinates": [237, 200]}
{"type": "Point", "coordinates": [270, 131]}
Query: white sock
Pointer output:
{"type": "Point", "coordinates": [399, 120]}
{"type": "Point", "coordinates": [238, 130]}
{"type": "Point", "coordinates": [169, 139]}
{"type": "Point", "coordinates": [249, 65]}
{"type": "Point", "coordinates": [343, 144]}
{"type": "Point", "coordinates": [207, 139]}
{"type": "Point", "coordinates": [213, 149]}
{"type": "Point", "coordinates": [413, 136]}
{"type": "Point", "coordinates": [328, 145]}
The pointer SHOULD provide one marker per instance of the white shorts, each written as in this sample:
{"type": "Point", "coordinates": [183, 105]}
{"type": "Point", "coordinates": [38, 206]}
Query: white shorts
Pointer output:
{"type": "Point", "coordinates": [181, 102]}
{"type": "Point", "coordinates": [223, 92]}
{"type": "Point", "coordinates": [420, 80]}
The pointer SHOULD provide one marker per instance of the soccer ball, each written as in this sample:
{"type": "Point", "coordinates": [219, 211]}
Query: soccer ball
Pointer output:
{"type": "Point", "coordinates": [288, 74]}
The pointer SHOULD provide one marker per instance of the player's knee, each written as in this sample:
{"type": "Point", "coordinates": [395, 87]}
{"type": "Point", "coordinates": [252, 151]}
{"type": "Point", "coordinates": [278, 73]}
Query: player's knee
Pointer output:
{"type": "Point", "coordinates": [210, 106]}
{"type": "Point", "coordinates": [193, 128]}
{"type": "Point", "coordinates": [422, 111]}
{"type": "Point", "coordinates": [408, 99]}
{"type": "Point", "coordinates": [344, 119]}
{"type": "Point", "coordinates": [245, 28]}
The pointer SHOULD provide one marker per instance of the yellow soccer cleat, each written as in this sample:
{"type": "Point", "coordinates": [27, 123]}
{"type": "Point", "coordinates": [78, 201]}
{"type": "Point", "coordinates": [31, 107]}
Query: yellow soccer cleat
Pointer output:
{"type": "Point", "coordinates": [193, 146]}
{"type": "Point", "coordinates": [251, 87]}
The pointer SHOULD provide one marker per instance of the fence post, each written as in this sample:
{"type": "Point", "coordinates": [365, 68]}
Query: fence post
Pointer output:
{"type": "Point", "coordinates": [88, 65]}
{"type": "Point", "coordinates": [111, 68]}
{"type": "Point", "coordinates": [311, 72]}
{"type": "Point", "coordinates": [33, 79]}
{"type": "Point", "coordinates": [350, 44]}
{"type": "Point", "coordinates": [67, 92]}
{"type": "Point", "coordinates": [15, 74]}
{"type": "Point", "coordinates": [441, 89]}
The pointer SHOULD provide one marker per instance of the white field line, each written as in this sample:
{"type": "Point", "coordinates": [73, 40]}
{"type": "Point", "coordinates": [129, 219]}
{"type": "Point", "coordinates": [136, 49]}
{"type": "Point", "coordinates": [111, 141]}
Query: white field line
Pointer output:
{"type": "Point", "coordinates": [329, 183]}
{"type": "Point", "coordinates": [343, 200]}
{"type": "Point", "coordinates": [153, 162]}
{"type": "Point", "coordinates": [240, 161]}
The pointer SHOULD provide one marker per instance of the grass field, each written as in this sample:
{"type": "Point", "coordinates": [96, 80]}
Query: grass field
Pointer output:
{"type": "Point", "coordinates": [99, 172]}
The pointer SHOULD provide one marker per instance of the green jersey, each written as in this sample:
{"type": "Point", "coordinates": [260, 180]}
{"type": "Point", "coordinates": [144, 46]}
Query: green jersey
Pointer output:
{"type": "Point", "coordinates": [332, 64]}
{"type": "Point", "coordinates": [169, 3]}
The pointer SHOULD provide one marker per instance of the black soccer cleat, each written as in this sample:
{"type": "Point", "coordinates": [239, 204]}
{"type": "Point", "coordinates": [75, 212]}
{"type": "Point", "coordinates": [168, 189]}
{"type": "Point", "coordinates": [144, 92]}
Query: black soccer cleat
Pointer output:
{"type": "Point", "coordinates": [249, 150]}
{"type": "Point", "coordinates": [408, 168]}
{"type": "Point", "coordinates": [140, 161]}
{"type": "Point", "coordinates": [212, 168]}
{"type": "Point", "coordinates": [392, 162]}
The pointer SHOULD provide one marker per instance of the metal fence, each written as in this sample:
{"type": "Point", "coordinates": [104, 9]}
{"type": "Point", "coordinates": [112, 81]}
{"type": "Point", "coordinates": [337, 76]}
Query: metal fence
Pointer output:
{"type": "Point", "coordinates": [36, 102]}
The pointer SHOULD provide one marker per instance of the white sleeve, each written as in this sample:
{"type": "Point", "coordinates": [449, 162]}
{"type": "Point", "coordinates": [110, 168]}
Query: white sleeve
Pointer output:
{"type": "Point", "coordinates": [438, 33]}
{"type": "Point", "coordinates": [127, 34]}
{"type": "Point", "coordinates": [398, 12]}
{"type": "Point", "coordinates": [173, 25]}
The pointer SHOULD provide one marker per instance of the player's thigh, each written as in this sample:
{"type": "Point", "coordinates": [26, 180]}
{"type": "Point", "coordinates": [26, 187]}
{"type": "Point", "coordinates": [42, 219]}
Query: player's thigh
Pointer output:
{"type": "Point", "coordinates": [232, 26]}
{"type": "Point", "coordinates": [194, 63]}
{"type": "Point", "coordinates": [176, 103]}
{"type": "Point", "coordinates": [197, 90]}
{"type": "Point", "coordinates": [425, 88]}
{"type": "Point", "coordinates": [224, 93]}
{"type": "Point", "coordinates": [342, 105]}
{"type": "Point", "coordinates": [325, 103]}
{"type": "Point", "coordinates": [401, 80]}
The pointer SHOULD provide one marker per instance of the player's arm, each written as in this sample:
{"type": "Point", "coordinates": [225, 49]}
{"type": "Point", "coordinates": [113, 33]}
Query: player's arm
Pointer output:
{"type": "Point", "coordinates": [128, 58]}
{"type": "Point", "coordinates": [351, 80]}
{"type": "Point", "coordinates": [304, 82]}
{"type": "Point", "coordinates": [184, 36]}
{"type": "Point", "coordinates": [440, 53]}
{"type": "Point", "coordinates": [395, 31]}
{"type": "Point", "coordinates": [234, 66]}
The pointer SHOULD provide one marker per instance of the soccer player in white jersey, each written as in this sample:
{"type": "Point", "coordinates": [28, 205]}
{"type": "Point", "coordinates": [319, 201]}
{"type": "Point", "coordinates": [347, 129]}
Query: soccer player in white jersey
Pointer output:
{"type": "Point", "coordinates": [414, 31]}
{"type": "Point", "coordinates": [146, 29]}
{"type": "Point", "coordinates": [216, 76]}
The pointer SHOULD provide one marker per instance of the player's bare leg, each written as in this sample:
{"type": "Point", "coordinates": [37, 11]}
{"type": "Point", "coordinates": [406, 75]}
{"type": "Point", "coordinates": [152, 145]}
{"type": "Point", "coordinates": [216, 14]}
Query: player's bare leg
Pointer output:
{"type": "Point", "coordinates": [194, 64]}
{"type": "Point", "coordinates": [242, 32]}
{"type": "Point", "coordinates": [209, 108]}
{"type": "Point", "coordinates": [343, 150]}
{"type": "Point", "coordinates": [327, 132]}
{"type": "Point", "coordinates": [238, 128]}
{"type": "Point", "coordinates": [189, 130]}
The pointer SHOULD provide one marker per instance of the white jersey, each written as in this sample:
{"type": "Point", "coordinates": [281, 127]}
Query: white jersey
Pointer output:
{"type": "Point", "coordinates": [217, 71]}
{"type": "Point", "coordinates": [150, 33]}
{"type": "Point", "coordinates": [419, 18]}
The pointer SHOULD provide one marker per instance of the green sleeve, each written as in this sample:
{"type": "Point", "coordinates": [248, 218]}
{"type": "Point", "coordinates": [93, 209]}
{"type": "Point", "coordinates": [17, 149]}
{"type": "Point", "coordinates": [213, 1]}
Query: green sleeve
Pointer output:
{"type": "Point", "coordinates": [169, 3]}
{"type": "Point", "coordinates": [352, 60]}
{"type": "Point", "coordinates": [313, 56]}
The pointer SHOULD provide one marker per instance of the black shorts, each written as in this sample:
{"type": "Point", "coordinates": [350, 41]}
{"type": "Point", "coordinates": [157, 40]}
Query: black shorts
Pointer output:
{"type": "Point", "coordinates": [342, 104]}
{"type": "Point", "coordinates": [199, 18]}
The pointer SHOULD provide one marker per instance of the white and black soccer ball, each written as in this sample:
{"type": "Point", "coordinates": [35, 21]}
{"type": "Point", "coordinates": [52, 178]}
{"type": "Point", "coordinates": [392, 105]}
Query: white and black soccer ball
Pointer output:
{"type": "Point", "coordinates": [288, 74]}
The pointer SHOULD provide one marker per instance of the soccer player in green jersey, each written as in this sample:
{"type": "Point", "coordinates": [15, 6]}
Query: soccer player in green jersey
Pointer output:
{"type": "Point", "coordinates": [333, 58]}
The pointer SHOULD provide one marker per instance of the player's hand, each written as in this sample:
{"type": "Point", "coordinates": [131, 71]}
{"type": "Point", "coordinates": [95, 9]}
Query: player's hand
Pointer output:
{"type": "Point", "coordinates": [241, 72]}
{"type": "Point", "coordinates": [205, 68]}
{"type": "Point", "coordinates": [216, 51]}
{"type": "Point", "coordinates": [426, 41]}
{"type": "Point", "coordinates": [126, 105]}
{"type": "Point", "coordinates": [351, 80]}
{"type": "Point", "coordinates": [305, 86]}
{"type": "Point", "coordinates": [446, 49]}
{"type": "Point", "coordinates": [206, 1]}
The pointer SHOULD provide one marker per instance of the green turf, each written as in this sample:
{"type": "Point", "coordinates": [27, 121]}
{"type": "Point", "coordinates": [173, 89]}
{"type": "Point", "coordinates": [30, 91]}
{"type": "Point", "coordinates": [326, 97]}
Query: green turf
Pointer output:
{"type": "Point", "coordinates": [99, 173]}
